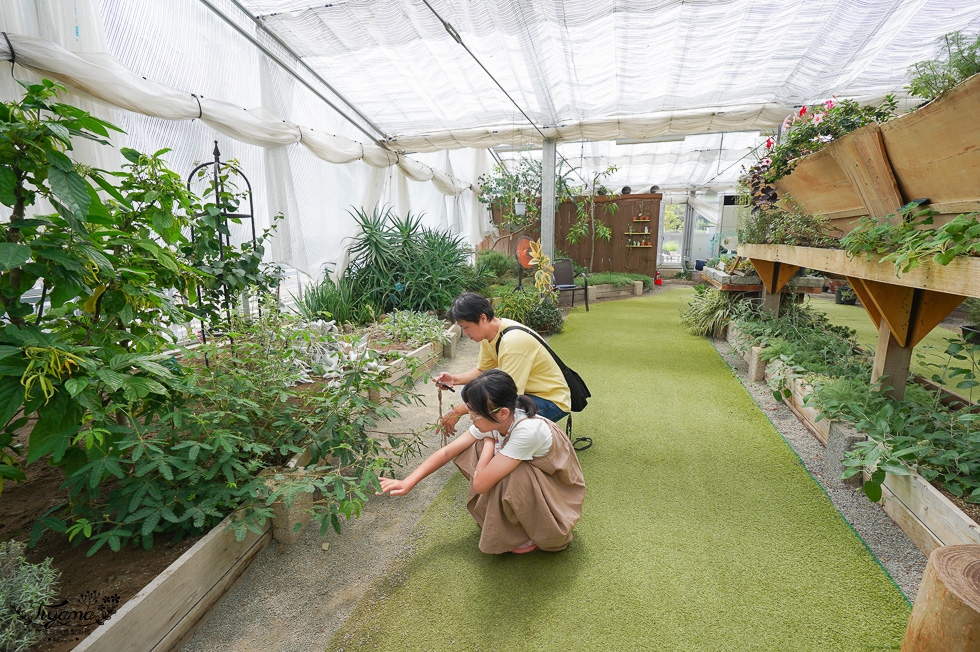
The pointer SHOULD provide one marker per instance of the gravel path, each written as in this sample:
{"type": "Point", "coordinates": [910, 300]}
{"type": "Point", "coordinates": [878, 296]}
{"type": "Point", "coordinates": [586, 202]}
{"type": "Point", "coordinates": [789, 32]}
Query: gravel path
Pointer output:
{"type": "Point", "coordinates": [295, 598]}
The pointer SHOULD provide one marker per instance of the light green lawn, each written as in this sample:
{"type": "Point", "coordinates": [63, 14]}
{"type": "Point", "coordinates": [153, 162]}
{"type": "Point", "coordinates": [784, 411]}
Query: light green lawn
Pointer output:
{"type": "Point", "coordinates": [701, 529]}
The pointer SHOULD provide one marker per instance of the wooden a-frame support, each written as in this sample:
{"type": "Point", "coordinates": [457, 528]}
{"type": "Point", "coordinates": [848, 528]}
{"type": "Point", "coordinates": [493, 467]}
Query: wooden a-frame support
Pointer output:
{"type": "Point", "coordinates": [903, 315]}
{"type": "Point", "coordinates": [774, 277]}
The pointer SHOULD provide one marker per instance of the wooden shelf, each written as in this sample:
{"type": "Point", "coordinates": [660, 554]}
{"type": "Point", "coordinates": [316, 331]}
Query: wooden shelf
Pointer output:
{"type": "Point", "coordinates": [960, 277]}
{"type": "Point", "coordinates": [639, 246]}
{"type": "Point", "coordinates": [641, 220]}
{"type": "Point", "coordinates": [637, 233]}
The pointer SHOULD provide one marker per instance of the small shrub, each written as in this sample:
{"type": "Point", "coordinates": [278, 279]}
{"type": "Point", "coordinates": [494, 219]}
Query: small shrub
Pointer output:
{"type": "Point", "coordinates": [416, 328]}
{"type": "Point", "coordinates": [500, 264]}
{"type": "Point", "coordinates": [683, 275]}
{"type": "Point", "coordinates": [546, 317]}
{"type": "Point", "coordinates": [517, 305]}
{"type": "Point", "coordinates": [24, 587]}
{"type": "Point", "coordinates": [709, 312]}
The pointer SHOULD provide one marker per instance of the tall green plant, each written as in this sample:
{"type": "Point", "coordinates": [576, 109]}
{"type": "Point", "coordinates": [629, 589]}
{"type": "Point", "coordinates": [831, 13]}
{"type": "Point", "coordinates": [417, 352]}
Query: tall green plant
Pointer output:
{"type": "Point", "coordinates": [397, 264]}
{"type": "Point", "coordinates": [958, 58]}
{"type": "Point", "coordinates": [586, 224]}
{"type": "Point", "coordinates": [81, 360]}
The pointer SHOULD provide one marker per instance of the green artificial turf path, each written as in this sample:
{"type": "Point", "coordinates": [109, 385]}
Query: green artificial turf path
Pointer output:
{"type": "Point", "coordinates": [701, 530]}
{"type": "Point", "coordinates": [929, 350]}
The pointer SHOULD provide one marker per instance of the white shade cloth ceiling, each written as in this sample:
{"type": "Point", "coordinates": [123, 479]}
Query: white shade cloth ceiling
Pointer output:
{"type": "Point", "coordinates": [605, 69]}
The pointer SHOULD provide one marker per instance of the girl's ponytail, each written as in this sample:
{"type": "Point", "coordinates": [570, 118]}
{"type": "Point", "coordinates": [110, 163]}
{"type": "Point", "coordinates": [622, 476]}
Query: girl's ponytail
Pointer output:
{"type": "Point", "coordinates": [527, 404]}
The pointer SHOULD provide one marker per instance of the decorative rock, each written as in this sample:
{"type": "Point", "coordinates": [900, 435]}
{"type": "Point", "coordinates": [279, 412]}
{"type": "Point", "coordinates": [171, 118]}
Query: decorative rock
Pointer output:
{"type": "Point", "coordinates": [324, 546]}
{"type": "Point", "coordinates": [757, 368]}
{"type": "Point", "coordinates": [946, 617]}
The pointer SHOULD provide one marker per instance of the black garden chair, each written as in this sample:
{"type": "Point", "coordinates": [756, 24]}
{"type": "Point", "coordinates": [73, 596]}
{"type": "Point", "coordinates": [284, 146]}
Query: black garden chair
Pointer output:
{"type": "Point", "coordinates": [565, 280]}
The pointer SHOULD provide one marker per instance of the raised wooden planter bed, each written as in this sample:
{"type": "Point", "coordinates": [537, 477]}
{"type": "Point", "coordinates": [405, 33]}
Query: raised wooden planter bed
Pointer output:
{"type": "Point", "coordinates": [167, 612]}
{"type": "Point", "coordinates": [929, 154]}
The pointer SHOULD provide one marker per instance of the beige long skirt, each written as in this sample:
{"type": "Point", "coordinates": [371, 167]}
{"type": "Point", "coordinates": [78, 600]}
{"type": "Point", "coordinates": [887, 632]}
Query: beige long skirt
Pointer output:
{"type": "Point", "coordinates": [540, 500]}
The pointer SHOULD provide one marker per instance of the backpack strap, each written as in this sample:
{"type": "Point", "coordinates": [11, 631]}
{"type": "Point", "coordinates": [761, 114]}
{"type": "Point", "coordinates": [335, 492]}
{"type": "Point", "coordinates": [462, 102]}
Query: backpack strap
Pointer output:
{"type": "Point", "coordinates": [561, 365]}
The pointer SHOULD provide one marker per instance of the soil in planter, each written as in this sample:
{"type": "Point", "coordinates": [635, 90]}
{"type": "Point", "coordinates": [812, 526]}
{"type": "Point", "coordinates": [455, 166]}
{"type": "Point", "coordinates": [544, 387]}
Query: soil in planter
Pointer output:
{"type": "Point", "coordinates": [93, 586]}
{"type": "Point", "coordinates": [970, 509]}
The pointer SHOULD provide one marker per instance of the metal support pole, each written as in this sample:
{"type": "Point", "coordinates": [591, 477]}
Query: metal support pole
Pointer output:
{"type": "Point", "coordinates": [548, 197]}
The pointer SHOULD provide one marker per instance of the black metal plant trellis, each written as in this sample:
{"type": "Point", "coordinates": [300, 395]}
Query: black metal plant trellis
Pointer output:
{"type": "Point", "coordinates": [224, 239]}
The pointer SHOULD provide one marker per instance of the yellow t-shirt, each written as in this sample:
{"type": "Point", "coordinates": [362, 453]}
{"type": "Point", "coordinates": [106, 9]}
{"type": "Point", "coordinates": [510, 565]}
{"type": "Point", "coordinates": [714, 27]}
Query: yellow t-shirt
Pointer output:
{"type": "Point", "coordinates": [525, 360]}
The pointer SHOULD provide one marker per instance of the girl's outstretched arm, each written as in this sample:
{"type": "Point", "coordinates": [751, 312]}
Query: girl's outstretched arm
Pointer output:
{"type": "Point", "coordinates": [431, 464]}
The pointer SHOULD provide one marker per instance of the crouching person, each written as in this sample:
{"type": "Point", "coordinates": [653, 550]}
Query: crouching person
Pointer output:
{"type": "Point", "coordinates": [526, 485]}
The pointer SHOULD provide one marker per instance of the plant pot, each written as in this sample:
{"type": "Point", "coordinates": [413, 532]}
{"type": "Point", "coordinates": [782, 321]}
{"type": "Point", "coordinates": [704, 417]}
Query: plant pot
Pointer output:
{"type": "Point", "coordinates": [970, 334]}
{"type": "Point", "coordinates": [839, 299]}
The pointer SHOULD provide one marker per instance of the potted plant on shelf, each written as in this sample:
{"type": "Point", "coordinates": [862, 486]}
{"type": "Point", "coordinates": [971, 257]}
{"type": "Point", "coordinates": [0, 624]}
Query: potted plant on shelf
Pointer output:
{"type": "Point", "coordinates": [844, 295]}
{"type": "Point", "coordinates": [971, 332]}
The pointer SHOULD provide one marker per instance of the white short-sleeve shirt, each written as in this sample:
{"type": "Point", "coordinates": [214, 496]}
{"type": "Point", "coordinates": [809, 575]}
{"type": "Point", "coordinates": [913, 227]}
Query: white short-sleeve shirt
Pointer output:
{"type": "Point", "coordinates": [529, 438]}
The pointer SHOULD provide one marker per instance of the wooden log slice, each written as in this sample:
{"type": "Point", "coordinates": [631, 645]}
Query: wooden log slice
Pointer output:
{"type": "Point", "coordinates": [946, 617]}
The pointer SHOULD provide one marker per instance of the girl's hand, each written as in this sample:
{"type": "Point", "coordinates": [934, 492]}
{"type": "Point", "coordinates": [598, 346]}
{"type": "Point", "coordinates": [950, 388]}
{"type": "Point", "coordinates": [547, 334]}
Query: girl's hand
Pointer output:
{"type": "Point", "coordinates": [448, 423]}
{"type": "Point", "coordinates": [394, 487]}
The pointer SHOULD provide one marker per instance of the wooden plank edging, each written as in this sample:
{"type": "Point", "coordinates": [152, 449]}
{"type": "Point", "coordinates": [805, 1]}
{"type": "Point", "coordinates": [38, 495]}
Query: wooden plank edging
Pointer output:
{"type": "Point", "coordinates": [168, 610]}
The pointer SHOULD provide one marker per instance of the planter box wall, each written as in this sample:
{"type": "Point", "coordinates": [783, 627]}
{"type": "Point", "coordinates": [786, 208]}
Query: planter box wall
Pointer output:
{"type": "Point", "coordinates": [931, 153]}
{"type": "Point", "coordinates": [167, 612]}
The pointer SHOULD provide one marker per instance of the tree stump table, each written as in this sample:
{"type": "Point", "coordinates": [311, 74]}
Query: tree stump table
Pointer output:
{"type": "Point", "coordinates": [946, 617]}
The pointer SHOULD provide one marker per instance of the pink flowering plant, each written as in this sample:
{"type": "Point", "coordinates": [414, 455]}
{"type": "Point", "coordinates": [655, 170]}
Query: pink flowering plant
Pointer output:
{"type": "Point", "coordinates": [811, 128]}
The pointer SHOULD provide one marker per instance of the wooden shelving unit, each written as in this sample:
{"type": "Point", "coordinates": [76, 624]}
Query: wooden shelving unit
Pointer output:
{"type": "Point", "coordinates": [904, 307]}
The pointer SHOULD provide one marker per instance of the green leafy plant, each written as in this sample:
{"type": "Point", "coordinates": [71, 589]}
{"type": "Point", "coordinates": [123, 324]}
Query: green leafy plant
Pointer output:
{"type": "Point", "coordinates": [684, 275]}
{"type": "Point", "coordinates": [518, 188]}
{"type": "Point", "coordinates": [499, 264]}
{"type": "Point", "coordinates": [709, 312]}
{"type": "Point", "coordinates": [671, 245]}
{"type": "Point", "coordinates": [776, 224]}
{"type": "Point", "coordinates": [250, 408]}
{"type": "Point", "coordinates": [397, 264]}
{"type": "Point", "coordinates": [907, 238]}
{"type": "Point", "coordinates": [546, 317]}
{"type": "Point", "coordinates": [958, 58]}
{"type": "Point", "coordinates": [587, 224]}
{"type": "Point", "coordinates": [25, 589]}
{"type": "Point", "coordinates": [522, 306]}
{"type": "Point", "coordinates": [415, 328]}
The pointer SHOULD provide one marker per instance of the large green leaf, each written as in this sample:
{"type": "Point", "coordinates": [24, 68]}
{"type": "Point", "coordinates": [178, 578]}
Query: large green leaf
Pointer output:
{"type": "Point", "coordinates": [71, 189]}
{"type": "Point", "coordinates": [57, 422]}
{"type": "Point", "coordinates": [11, 398]}
{"type": "Point", "coordinates": [8, 182]}
{"type": "Point", "coordinates": [13, 255]}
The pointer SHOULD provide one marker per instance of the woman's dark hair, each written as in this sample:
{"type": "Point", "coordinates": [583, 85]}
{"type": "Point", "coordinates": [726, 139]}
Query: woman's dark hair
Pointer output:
{"type": "Point", "coordinates": [494, 389]}
{"type": "Point", "coordinates": [469, 306]}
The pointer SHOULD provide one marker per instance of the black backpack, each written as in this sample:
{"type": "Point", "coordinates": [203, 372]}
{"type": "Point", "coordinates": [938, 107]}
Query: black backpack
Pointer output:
{"type": "Point", "coordinates": [580, 392]}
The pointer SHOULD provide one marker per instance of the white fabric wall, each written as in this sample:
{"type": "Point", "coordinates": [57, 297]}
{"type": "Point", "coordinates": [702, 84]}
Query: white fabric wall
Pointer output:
{"type": "Point", "coordinates": [184, 45]}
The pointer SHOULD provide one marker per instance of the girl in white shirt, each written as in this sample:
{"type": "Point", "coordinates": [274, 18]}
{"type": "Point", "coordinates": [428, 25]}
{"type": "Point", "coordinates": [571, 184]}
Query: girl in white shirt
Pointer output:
{"type": "Point", "coordinates": [526, 485]}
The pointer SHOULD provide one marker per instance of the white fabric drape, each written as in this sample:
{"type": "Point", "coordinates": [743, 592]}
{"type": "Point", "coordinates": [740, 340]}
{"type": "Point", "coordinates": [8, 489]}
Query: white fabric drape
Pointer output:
{"type": "Point", "coordinates": [101, 77]}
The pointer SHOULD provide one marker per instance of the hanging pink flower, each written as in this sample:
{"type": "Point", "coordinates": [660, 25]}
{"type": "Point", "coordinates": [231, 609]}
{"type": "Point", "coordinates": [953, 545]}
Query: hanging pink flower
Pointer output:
{"type": "Point", "coordinates": [818, 118]}
{"type": "Point", "coordinates": [769, 143]}
{"type": "Point", "coordinates": [829, 104]}
{"type": "Point", "coordinates": [766, 162]}
{"type": "Point", "coordinates": [802, 111]}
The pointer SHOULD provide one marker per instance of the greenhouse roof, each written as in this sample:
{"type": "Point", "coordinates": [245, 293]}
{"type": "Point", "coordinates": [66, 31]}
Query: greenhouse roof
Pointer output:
{"type": "Point", "coordinates": [600, 70]}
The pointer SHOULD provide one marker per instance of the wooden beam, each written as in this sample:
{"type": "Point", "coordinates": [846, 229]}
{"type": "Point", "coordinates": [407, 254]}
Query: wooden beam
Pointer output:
{"type": "Point", "coordinates": [864, 161]}
{"type": "Point", "coordinates": [774, 275]}
{"type": "Point", "coordinates": [961, 276]}
{"type": "Point", "coordinates": [770, 302]}
{"type": "Point", "coordinates": [934, 307]}
{"type": "Point", "coordinates": [857, 284]}
{"type": "Point", "coordinates": [895, 304]}
{"type": "Point", "coordinates": [891, 364]}
{"type": "Point", "coordinates": [765, 268]}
